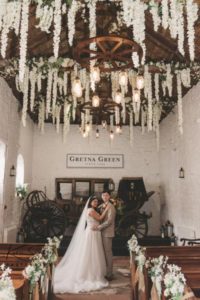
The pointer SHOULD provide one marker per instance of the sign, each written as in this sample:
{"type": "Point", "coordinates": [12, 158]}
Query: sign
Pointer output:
{"type": "Point", "coordinates": [95, 160]}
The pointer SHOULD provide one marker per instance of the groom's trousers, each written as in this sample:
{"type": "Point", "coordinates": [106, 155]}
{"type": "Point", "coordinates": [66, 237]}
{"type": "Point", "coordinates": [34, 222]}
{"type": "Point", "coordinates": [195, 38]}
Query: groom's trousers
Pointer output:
{"type": "Point", "coordinates": [107, 244]}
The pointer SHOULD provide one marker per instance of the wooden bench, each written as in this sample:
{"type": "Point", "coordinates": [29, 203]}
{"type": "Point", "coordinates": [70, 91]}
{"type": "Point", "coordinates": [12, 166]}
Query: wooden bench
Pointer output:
{"type": "Point", "coordinates": [187, 257]}
{"type": "Point", "coordinates": [17, 257]}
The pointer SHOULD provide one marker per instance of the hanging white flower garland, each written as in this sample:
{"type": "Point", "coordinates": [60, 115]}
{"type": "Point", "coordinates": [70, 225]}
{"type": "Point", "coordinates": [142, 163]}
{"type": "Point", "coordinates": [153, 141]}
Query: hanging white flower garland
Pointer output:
{"type": "Point", "coordinates": [56, 89]}
{"type": "Point", "coordinates": [45, 15]}
{"type": "Point", "coordinates": [180, 105]}
{"type": "Point", "coordinates": [23, 38]}
{"type": "Point", "coordinates": [57, 26]}
{"type": "Point", "coordinates": [192, 15]}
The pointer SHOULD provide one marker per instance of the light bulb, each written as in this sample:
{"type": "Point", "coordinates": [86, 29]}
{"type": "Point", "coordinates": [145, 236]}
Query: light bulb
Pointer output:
{"type": "Point", "coordinates": [87, 127]}
{"type": "Point", "coordinates": [136, 95]}
{"type": "Point", "coordinates": [95, 73]}
{"type": "Point", "coordinates": [111, 135]}
{"type": "Point", "coordinates": [140, 82]}
{"type": "Point", "coordinates": [97, 133]}
{"type": "Point", "coordinates": [104, 124]}
{"type": "Point", "coordinates": [77, 88]}
{"type": "Point", "coordinates": [123, 78]}
{"type": "Point", "coordinates": [95, 101]}
{"type": "Point", "coordinates": [118, 129]}
{"type": "Point", "coordinates": [84, 133]}
{"type": "Point", "coordinates": [118, 97]}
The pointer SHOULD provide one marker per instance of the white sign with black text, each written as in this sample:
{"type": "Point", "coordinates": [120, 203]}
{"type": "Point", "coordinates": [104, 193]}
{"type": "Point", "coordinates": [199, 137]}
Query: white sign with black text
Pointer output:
{"type": "Point", "coordinates": [95, 161]}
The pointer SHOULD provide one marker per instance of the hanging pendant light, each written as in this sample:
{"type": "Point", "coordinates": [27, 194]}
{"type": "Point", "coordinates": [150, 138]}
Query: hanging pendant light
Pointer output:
{"type": "Point", "coordinates": [136, 95]}
{"type": "Point", "coordinates": [87, 127]}
{"type": "Point", "coordinates": [97, 133]}
{"type": "Point", "coordinates": [104, 123]}
{"type": "Point", "coordinates": [123, 78]}
{"type": "Point", "coordinates": [140, 82]}
{"type": "Point", "coordinates": [111, 135]}
{"type": "Point", "coordinates": [95, 101]}
{"type": "Point", "coordinates": [84, 133]}
{"type": "Point", "coordinates": [95, 74]}
{"type": "Point", "coordinates": [77, 88]}
{"type": "Point", "coordinates": [118, 129]}
{"type": "Point", "coordinates": [118, 97]}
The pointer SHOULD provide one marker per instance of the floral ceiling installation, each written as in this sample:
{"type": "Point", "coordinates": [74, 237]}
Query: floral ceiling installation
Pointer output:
{"type": "Point", "coordinates": [48, 89]}
{"type": "Point", "coordinates": [55, 87]}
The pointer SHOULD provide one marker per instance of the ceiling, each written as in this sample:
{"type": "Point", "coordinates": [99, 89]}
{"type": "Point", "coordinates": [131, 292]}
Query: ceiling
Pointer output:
{"type": "Point", "coordinates": [160, 46]}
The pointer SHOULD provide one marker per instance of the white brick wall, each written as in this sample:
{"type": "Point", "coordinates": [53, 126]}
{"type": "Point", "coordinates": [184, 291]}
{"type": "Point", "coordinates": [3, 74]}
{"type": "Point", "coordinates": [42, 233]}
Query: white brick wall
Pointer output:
{"type": "Point", "coordinates": [17, 140]}
{"type": "Point", "coordinates": [49, 161]}
{"type": "Point", "coordinates": [181, 197]}
{"type": "Point", "coordinates": [45, 159]}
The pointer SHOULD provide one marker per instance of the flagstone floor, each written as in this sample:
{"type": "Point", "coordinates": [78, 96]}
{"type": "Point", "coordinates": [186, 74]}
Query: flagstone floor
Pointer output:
{"type": "Point", "coordinates": [118, 289]}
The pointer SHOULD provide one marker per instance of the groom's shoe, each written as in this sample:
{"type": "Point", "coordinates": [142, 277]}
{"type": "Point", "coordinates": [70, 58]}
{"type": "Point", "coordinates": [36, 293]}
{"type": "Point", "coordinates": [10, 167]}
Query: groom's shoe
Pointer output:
{"type": "Point", "coordinates": [109, 278]}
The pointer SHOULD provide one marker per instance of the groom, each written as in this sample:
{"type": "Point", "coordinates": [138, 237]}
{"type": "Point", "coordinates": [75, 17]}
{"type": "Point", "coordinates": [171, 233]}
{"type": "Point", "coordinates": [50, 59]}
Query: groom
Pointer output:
{"type": "Point", "coordinates": [107, 229]}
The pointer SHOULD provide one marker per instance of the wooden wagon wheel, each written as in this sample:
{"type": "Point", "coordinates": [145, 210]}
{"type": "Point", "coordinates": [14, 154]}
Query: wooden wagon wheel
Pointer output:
{"type": "Point", "coordinates": [133, 222]}
{"type": "Point", "coordinates": [141, 226]}
{"type": "Point", "coordinates": [44, 219]}
{"type": "Point", "coordinates": [35, 197]}
{"type": "Point", "coordinates": [105, 109]}
{"type": "Point", "coordinates": [113, 50]}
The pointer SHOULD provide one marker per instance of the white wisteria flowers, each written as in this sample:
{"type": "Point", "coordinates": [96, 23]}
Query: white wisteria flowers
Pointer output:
{"type": "Point", "coordinates": [7, 291]}
{"type": "Point", "coordinates": [133, 244]}
{"type": "Point", "coordinates": [174, 282]}
{"type": "Point", "coordinates": [156, 267]}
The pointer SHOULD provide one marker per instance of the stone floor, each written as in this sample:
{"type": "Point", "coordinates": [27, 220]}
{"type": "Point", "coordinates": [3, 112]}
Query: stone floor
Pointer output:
{"type": "Point", "coordinates": [118, 289]}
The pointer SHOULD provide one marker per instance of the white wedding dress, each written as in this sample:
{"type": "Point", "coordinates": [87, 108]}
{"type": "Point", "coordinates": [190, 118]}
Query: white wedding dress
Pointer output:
{"type": "Point", "coordinates": [83, 267]}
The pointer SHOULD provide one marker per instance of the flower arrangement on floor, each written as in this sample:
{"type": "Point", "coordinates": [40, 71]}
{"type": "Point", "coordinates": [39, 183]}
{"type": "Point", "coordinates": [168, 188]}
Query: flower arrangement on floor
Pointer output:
{"type": "Point", "coordinates": [7, 291]}
{"type": "Point", "coordinates": [38, 270]}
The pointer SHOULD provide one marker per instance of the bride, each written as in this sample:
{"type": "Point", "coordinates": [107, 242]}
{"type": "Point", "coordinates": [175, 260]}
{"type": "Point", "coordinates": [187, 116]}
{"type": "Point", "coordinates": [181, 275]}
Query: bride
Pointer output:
{"type": "Point", "coordinates": [83, 266]}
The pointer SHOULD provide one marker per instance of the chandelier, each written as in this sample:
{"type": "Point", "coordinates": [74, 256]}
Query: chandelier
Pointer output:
{"type": "Point", "coordinates": [105, 56]}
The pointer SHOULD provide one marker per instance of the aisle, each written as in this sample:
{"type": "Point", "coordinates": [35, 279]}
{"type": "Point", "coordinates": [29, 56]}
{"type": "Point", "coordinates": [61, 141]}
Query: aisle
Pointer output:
{"type": "Point", "coordinates": [118, 289]}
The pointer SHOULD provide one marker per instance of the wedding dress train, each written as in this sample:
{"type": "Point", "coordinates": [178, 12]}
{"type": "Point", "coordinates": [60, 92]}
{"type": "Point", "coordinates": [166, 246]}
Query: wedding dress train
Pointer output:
{"type": "Point", "coordinates": [83, 267]}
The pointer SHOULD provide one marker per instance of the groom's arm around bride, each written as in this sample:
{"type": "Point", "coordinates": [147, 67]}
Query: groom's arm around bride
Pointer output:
{"type": "Point", "coordinates": [107, 228]}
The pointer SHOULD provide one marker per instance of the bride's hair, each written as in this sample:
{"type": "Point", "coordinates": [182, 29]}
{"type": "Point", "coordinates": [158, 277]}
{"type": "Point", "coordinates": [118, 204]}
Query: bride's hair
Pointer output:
{"type": "Point", "coordinates": [93, 197]}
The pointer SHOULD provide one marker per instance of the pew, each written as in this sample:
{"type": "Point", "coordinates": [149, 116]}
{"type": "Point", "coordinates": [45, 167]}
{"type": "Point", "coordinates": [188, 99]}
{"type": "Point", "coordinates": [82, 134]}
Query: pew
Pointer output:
{"type": "Point", "coordinates": [17, 257]}
{"type": "Point", "coordinates": [187, 257]}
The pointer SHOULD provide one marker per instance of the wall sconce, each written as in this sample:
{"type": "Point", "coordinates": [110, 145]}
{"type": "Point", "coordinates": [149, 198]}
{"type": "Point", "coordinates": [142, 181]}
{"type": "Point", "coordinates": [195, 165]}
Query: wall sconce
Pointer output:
{"type": "Point", "coordinates": [181, 173]}
{"type": "Point", "coordinates": [12, 171]}
{"type": "Point", "coordinates": [111, 185]}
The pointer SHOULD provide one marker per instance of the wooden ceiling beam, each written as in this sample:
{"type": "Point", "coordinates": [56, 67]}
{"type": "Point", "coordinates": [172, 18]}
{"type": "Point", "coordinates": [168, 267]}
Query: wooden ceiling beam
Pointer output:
{"type": "Point", "coordinates": [164, 43]}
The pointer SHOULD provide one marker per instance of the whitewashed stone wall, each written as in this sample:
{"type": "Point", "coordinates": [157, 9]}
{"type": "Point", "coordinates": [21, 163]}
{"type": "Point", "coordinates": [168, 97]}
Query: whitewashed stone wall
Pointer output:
{"type": "Point", "coordinates": [17, 140]}
{"type": "Point", "coordinates": [180, 198]}
{"type": "Point", "coordinates": [49, 162]}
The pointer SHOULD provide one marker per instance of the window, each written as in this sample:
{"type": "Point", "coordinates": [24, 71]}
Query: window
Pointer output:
{"type": "Point", "coordinates": [20, 171]}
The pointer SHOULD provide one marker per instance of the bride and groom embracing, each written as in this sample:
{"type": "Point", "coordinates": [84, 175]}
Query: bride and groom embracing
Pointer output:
{"type": "Point", "coordinates": [87, 263]}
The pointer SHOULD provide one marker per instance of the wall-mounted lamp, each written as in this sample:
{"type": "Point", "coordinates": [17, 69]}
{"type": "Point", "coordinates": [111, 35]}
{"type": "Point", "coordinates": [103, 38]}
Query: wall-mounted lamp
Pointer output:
{"type": "Point", "coordinates": [181, 173]}
{"type": "Point", "coordinates": [111, 185]}
{"type": "Point", "coordinates": [12, 171]}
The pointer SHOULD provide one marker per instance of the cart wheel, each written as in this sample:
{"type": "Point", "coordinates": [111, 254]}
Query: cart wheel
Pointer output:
{"type": "Point", "coordinates": [44, 219]}
{"type": "Point", "coordinates": [133, 224]}
{"type": "Point", "coordinates": [35, 197]}
{"type": "Point", "coordinates": [141, 227]}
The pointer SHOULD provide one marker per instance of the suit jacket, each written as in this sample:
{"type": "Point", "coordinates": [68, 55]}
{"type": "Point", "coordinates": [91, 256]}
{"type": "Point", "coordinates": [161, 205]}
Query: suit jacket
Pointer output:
{"type": "Point", "coordinates": [107, 227]}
